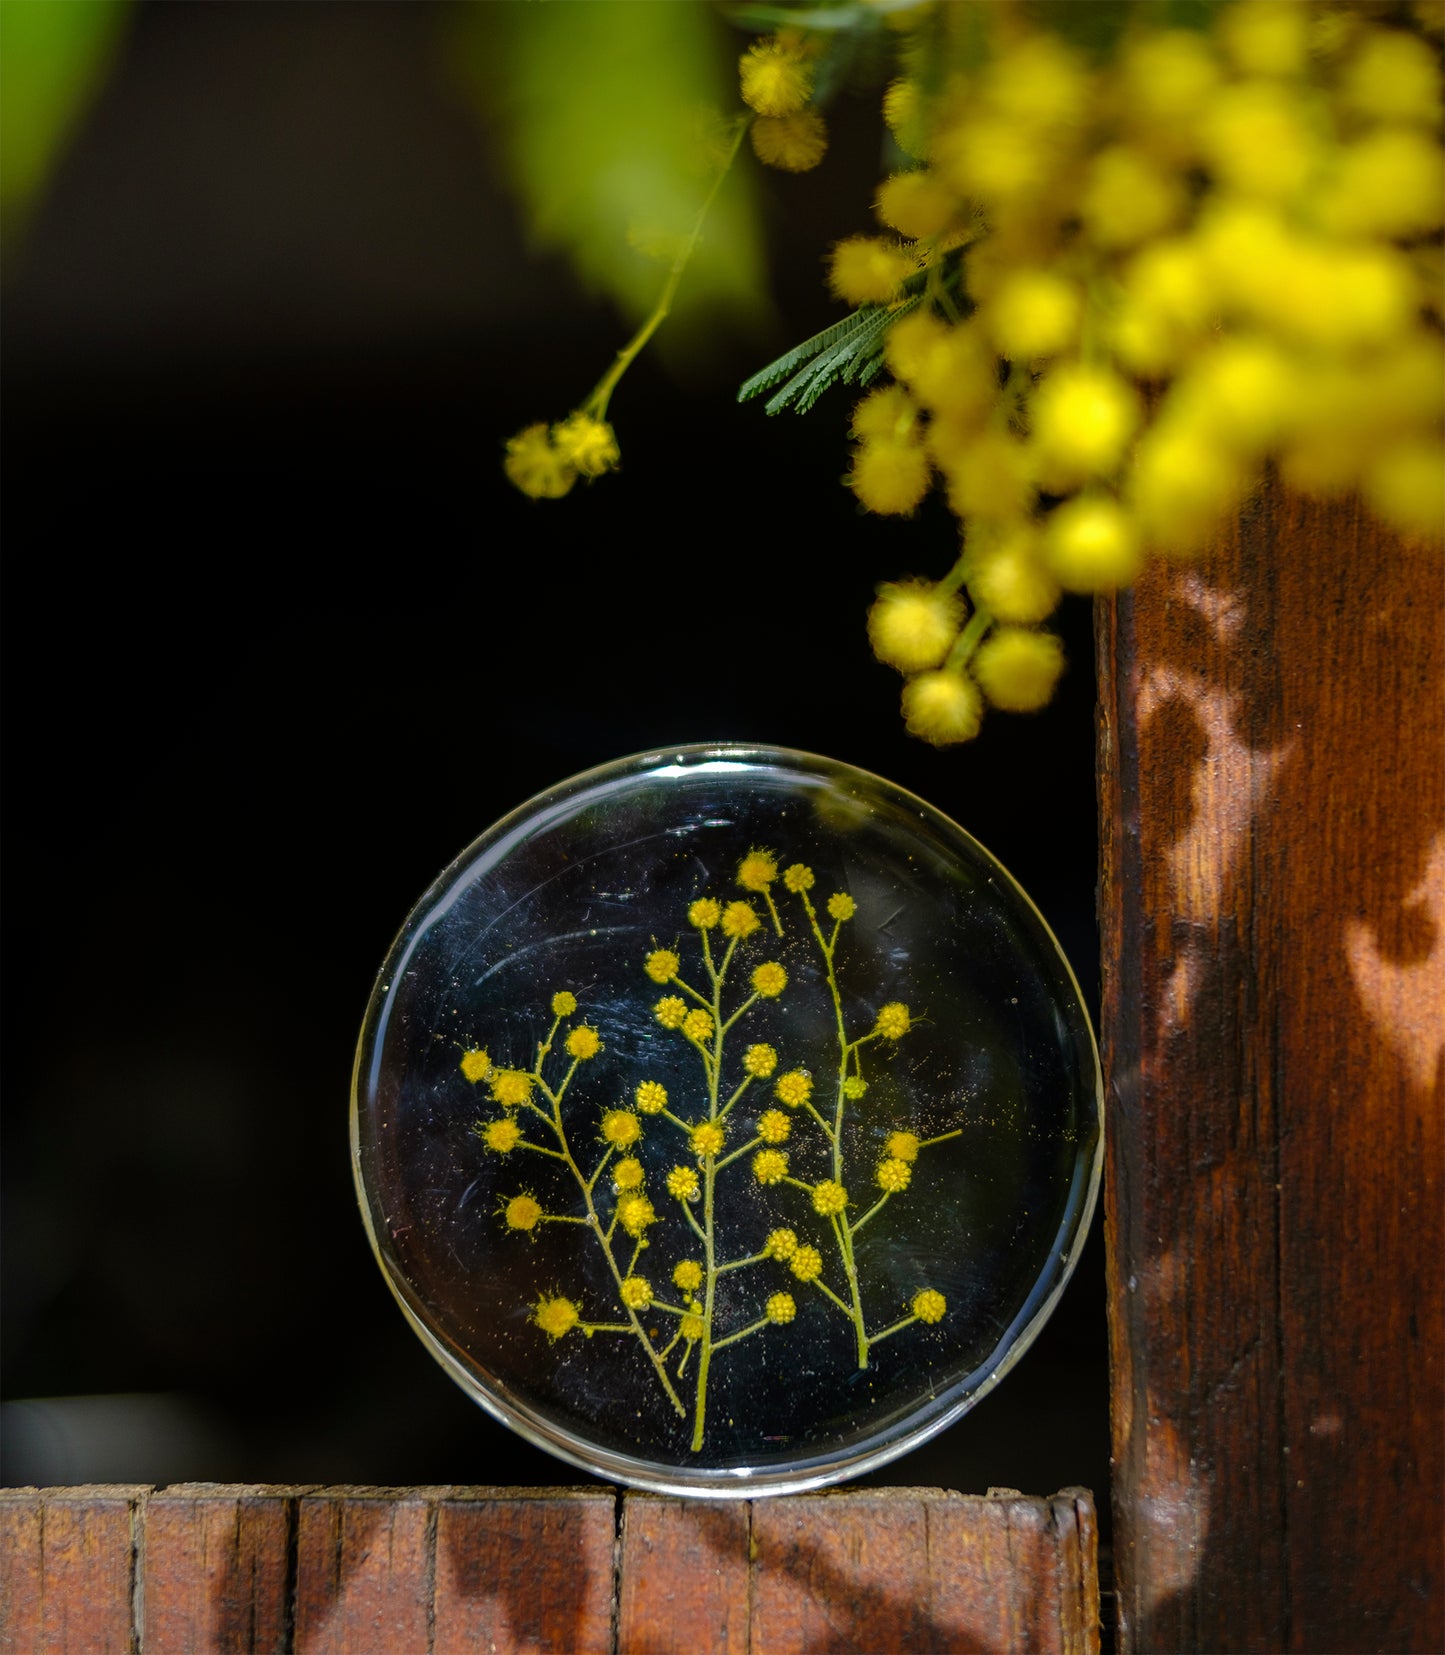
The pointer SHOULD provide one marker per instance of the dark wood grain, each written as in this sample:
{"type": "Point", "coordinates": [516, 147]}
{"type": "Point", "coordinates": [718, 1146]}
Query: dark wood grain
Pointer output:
{"type": "Point", "coordinates": [918, 1569]}
{"type": "Point", "coordinates": [524, 1570]}
{"type": "Point", "coordinates": [1272, 773]}
{"type": "Point", "coordinates": [684, 1577]}
{"type": "Point", "coordinates": [364, 1571]}
{"type": "Point", "coordinates": [450, 1571]}
{"type": "Point", "coordinates": [218, 1570]}
{"type": "Point", "coordinates": [68, 1569]}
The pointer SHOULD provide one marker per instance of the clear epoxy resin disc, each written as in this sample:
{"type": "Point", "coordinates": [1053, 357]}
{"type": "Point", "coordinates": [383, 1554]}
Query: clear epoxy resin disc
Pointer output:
{"type": "Point", "coordinates": [726, 1120]}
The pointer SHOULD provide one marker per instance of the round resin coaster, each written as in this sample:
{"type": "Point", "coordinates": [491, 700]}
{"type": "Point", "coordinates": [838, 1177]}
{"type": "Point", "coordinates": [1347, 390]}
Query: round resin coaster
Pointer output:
{"type": "Point", "coordinates": [726, 1121]}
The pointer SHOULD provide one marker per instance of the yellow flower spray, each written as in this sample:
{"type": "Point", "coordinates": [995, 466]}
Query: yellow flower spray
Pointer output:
{"type": "Point", "coordinates": [705, 1014]}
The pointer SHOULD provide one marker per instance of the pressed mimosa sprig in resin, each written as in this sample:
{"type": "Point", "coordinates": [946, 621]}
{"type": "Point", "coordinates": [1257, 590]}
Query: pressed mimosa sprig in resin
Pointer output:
{"type": "Point", "coordinates": [727, 1200]}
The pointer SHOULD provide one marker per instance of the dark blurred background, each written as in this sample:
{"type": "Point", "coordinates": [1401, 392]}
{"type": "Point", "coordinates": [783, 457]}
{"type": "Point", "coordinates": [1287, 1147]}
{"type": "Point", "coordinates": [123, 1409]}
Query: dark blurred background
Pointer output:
{"type": "Point", "coordinates": [282, 641]}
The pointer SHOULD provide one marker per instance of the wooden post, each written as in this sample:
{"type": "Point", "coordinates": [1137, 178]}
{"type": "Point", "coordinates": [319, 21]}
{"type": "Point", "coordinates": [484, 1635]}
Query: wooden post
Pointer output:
{"type": "Point", "coordinates": [1272, 775]}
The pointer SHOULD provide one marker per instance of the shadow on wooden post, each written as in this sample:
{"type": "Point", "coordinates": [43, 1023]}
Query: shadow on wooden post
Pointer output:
{"type": "Point", "coordinates": [1272, 794]}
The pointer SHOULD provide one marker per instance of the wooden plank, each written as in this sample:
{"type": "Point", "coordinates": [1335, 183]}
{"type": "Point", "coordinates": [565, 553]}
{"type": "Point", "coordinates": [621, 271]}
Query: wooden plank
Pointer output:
{"type": "Point", "coordinates": [919, 1569]}
{"type": "Point", "coordinates": [364, 1571]}
{"type": "Point", "coordinates": [20, 1570]}
{"type": "Point", "coordinates": [218, 1570]}
{"type": "Point", "coordinates": [1272, 773]}
{"type": "Point", "coordinates": [525, 1571]}
{"type": "Point", "coordinates": [68, 1582]}
{"type": "Point", "coordinates": [684, 1577]}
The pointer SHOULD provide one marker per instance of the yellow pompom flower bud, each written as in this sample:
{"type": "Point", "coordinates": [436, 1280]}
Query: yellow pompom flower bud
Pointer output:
{"type": "Point", "coordinates": [1127, 198]}
{"type": "Point", "coordinates": [627, 1174]}
{"type": "Point", "coordinates": [774, 80]}
{"type": "Point", "coordinates": [890, 478]}
{"type": "Point", "coordinates": [894, 1021]}
{"type": "Point", "coordinates": [780, 1308]}
{"type": "Point", "coordinates": [794, 1088]}
{"type": "Point", "coordinates": [662, 965]}
{"type": "Point", "coordinates": [636, 1292]}
{"type": "Point", "coordinates": [929, 1306]}
{"type": "Point", "coordinates": [1183, 486]}
{"type": "Point", "coordinates": [704, 913]}
{"type": "Point", "coordinates": [1033, 313]}
{"type": "Point", "coordinates": [770, 979]}
{"type": "Point", "coordinates": [917, 204]}
{"type": "Point", "coordinates": [781, 1244]}
{"type": "Point", "coordinates": [1171, 281]}
{"type": "Point", "coordinates": [760, 1061]}
{"type": "Point", "coordinates": [903, 115]}
{"type": "Point", "coordinates": [865, 270]}
{"type": "Point", "coordinates": [692, 1327]}
{"type": "Point", "coordinates": [475, 1065]}
{"type": "Point", "coordinates": [1346, 298]}
{"type": "Point", "coordinates": [913, 624]}
{"type": "Point", "coordinates": [556, 1316]}
{"type": "Point", "coordinates": [893, 1176]}
{"type": "Point", "coordinates": [586, 444]}
{"type": "Point", "coordinates": [903, 1146]}
{"type": "Point", "coordinates": [563, 1003]}
{"type": "Point", "coordinates": [854, 1088]}
{"type": "Point", "coordinates": [792, 143]}
{"type": "Point", "coordinates": [1091, 545]}
{"type": "Point", "coordinates": [621, 1128]}
{"type": "Point", "coordinates": [806, 1263]}
{"type": "Point", "coordinates": [797, 876]}
{"type": "Point", "coordinates": [952, 371]}
{"type": "Point", "coordinates": [1243, 392]}
{"type": "Point", "coordinates": [1255, 138]}
{"type": "Point", "coordinates": [1406, 486]}
{"type": "Point", "coordinates": [1018, 668]}
{"type": "Point", "coordinates": [670, 1011]}
{"type": "Point", "coordinates": [888, 414]}
{"type": "Point", "coordinates": [707, 1139]}
{"type": "Point", "coordinates": [1083, 418]}
{"type": "Point", "coordinates": [1392, 76]}
{"type": "Point", "coordinates": [829, 1198]}
{"type": "Point", "coordinates": [1266, 37]}
{"type": "Point", "coordinates": [651, 1096]}
{"type": "Point", "coordinates": [634, 1214]}
{"type": "Point", "coordinates": [523, 1213]}
{"type": "Point", "coordinates": [740, 919]}
{"type": "Point", "coordinates": [1009, 580]}
{"type": "Point", "coordinates": [1166, 80]}
{"type": "Point", "coordinates": [774, 1127]}
{"type": "Point", "coordinates": [697, 1025]}
{"type": "Point", "coordinates": [584, 1042]}
{"type": "Point", "coordinates": [1040, 82]}
{"type": "Point", "coordinates": [942, 707]}
{"type": "Point", "coordinates": [757, 870]}
{"type": "Point", "coordinates": [682, 1182]}
{"type": "Point", "coordinates": [770, 1166]}
{"type": "Point", "coordinates": [841, 906]}
{"type": "Point", "coordinates": [992, 477]}
{"type": "Point", "coordinates": [534, 465]}
{"type": "Point", "coordinates": [688, 1274]}
{"type": "Point", "coordinates": [510, 1087]}
{"type": "Point", "coordinates": [1391, 183]}
{"type": "Point", "coordinates": [502, 1136]}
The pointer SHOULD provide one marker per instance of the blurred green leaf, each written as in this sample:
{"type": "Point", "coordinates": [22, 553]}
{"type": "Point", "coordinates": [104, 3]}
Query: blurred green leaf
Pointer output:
{"type": "Point", "coordinates": [53, 57]}
{"type": "Point", "coordinates": [613, 116]}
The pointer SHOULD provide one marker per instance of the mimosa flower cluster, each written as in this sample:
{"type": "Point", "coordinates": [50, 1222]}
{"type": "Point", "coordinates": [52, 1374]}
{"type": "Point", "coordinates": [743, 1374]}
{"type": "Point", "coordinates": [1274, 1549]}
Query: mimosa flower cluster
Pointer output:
{"type": "Point", "coordinates": [1122, 290]}
{"type": "Point", "coordinates": [782, 1132]}
{"type": "Point", "coordinates": [1112, 285]}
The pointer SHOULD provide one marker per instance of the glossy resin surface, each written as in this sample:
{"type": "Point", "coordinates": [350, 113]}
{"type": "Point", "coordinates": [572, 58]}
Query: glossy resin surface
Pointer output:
{"type": "Point", "coordinates": [726, 1120]}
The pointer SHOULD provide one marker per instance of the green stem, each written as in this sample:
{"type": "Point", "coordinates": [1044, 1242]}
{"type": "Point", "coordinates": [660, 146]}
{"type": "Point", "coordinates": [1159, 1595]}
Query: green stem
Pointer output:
{"type": "Point", "coordinates": [596, 404]}
{"type": "Point", "coordinates": [742, 1333]}
{"type": "Point", "coordinates": [968, 640]}
{"type": "Point", "coordinates": [897, 1327]}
